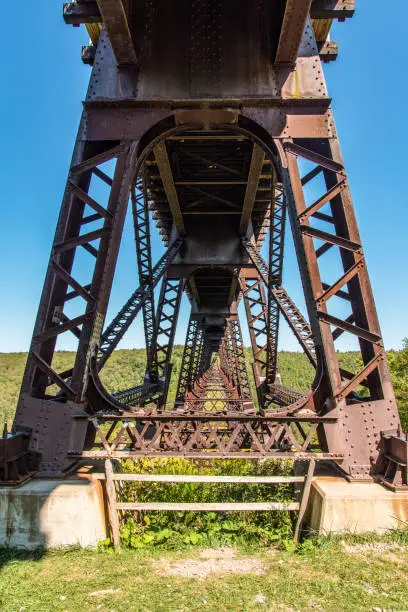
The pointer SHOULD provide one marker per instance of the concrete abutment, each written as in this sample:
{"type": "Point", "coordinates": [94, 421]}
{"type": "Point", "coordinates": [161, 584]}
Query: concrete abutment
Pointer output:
{"type": "Point", "coordinates": [51, 514]}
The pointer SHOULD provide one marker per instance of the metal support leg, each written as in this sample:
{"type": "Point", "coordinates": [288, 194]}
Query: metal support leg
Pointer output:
{"type": "Point", "coordinates": [188, 370]}
{"type": "Point", "coordinates": [115, 331]}
{"type": "Point", "coordinates": [334, 207]}
{"type": "Point", "coordinates": [166, 323]}
{"type": "Point", "coordinates": [62, 285]}
{"type": "Point", "coordinates": [205, 357]}
{"type": "Point", "coordinates": [144, 262]}
{"type": "Point", "coordinates": [279, 296]}
{"type": "Point", "coordinates": [239, 360]}
{"type": "Point", "coordinates": [256, 308]}
{"type": "Point", "coordinates": [197, 354]}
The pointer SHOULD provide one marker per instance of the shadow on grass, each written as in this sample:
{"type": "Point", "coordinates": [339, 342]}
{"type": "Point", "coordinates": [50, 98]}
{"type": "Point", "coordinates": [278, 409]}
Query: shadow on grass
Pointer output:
{"type": "Point", "coordinates": [14, 555]}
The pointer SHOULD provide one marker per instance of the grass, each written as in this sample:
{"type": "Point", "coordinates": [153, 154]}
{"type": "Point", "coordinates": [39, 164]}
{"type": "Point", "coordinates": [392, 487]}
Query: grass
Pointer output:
{"type": "Point", "coordinates": [320, 576]}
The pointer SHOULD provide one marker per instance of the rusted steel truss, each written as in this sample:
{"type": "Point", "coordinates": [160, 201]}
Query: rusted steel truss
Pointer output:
{"type": "Point", "coordinates": [61, 287]}
{"type": "Point", "coordinates": [115, 331]}
{"type": "Point", "coordinates": [156, 388]}
{"type": "Point", "coordinates": [190, 361]}
{"type": "Point", "coordinates": [216, 148]}
{"type": "Point", "coordinates": [169, 304]}
{"type": "Point", "coordinates": [352, 287]}
{"type": "Point", "coordinates": [257, 315]}
{"type": "Point", "coordinates": [278, 295]}
{"type": "Point", "coordinates": [234, 336]}
{"type": "Point", "coordinates": [224, 436]}
{"type": "Point", "coordinates": [232, 360]}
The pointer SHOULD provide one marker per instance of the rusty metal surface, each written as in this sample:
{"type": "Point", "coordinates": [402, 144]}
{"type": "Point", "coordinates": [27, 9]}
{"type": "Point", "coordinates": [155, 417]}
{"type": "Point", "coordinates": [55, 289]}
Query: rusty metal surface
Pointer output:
{"type": "Point", "coordinates": [205, 135]}
{"type": "Point", "coordinates": [205, 435]}
{"type": "Point", "coordinates": [395, 461]}
{"type": "Point", "coordinates": [15, 458]}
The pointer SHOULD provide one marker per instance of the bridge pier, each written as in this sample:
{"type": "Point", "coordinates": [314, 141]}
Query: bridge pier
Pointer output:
{"type": "Point", "coordinates": [337, 506]}
{"type": "Point", "coordinates": [48, 514]}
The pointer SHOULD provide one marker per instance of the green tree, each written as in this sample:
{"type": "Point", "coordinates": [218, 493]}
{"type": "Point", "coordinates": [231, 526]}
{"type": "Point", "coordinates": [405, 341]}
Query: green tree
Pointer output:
{"type": "Point", "coordinates": [398, 362]}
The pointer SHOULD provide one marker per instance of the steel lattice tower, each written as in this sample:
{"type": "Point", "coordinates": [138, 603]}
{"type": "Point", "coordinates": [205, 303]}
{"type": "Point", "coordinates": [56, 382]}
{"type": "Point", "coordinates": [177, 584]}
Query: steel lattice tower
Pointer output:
{"type": "Point", "coordinates": [212, 119]}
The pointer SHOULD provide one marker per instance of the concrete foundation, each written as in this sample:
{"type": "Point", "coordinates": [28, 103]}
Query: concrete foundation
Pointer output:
{"type": "Point", "coordinates": [338, 506]}
{"type": "Point", "coordinates": [52, 513]}
{"type": "Point", "coordinates": [56, 513]}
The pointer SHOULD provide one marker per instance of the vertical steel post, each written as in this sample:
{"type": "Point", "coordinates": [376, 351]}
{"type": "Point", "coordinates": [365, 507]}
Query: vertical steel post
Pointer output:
{"type": "Point", "coordinates": [166, 323]}
{"type": "Point", "coordinates": [144, 261]}
{"type": "Point", "coordinates": [188, 370]}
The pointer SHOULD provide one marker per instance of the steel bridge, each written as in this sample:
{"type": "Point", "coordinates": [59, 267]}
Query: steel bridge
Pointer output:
{"type": "Point", "coordinates": [211, 119]}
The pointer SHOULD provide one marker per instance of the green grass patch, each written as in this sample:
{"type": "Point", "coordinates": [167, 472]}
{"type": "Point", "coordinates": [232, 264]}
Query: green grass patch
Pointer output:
{"type": "Point", "coordinates": [323, 577]}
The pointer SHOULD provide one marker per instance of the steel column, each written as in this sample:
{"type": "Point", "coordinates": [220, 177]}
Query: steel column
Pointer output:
{"type": "Point", "coordinates": [61, 287]}
{"type": "Point", "coordinates": [334, 207]}
{"type": "Point", "coordinates": [188, 363]}
{"type": "Point", "coordinates": [144, 261]}
{"type": "Point", "coordinates": [166, 323]}
{"type": "Point", "coordinates": [256, 308]}
{"type": "Point", "coordinates": [239, 360]}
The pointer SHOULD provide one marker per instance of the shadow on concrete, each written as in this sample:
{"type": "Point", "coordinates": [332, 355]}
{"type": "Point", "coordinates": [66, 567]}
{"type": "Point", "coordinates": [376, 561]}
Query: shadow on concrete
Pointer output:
{"type": "Point", "coordinates": [44, 514]}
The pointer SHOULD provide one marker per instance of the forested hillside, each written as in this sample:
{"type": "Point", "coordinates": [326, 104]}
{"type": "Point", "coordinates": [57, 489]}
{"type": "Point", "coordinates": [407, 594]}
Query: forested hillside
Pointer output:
{"type": "Point", "coordinates": [126, 369]}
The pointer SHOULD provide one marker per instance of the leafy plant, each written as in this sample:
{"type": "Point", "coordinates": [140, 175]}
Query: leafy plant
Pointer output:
{"type": "Point", "coordinates": [175, 530]}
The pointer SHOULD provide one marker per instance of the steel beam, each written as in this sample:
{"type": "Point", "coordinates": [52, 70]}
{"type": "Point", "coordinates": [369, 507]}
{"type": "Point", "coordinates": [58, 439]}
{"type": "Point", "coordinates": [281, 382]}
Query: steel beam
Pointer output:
{"type": "Point", "coordinates": [329, 51]}
{"type": "Point", "coordinates": [225, 435]}
{"type": "Point", "coordinates": [294, 22]}
{"type": "Point", "coordinates": [254, 175]}
{"type": "Point", "coordinates": [116, 22]}
{"type": "Point", "coordinates": [162, 159]}
{"type": "Point", "coordinates": [76, 13]}
{"type": "Point", "coordinates": [332, 9]}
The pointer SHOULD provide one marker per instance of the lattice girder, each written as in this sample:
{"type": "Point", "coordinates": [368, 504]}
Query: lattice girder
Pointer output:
{"type": "Point", "coordinates": [144, 262]}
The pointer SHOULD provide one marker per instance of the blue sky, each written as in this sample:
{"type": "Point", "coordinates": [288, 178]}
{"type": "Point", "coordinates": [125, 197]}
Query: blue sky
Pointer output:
{"type": "Point", "coordinates": [44, 82]}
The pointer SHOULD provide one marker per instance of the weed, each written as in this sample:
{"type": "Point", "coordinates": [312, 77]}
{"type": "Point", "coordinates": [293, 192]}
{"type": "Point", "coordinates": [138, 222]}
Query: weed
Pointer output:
{"type": "Point", "coordinates": [177, 530]}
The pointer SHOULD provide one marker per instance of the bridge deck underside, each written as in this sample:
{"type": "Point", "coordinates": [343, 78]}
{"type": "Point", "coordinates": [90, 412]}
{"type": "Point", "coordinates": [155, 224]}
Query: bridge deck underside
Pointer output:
{"type": "Point", "coordinates": [210, 173]}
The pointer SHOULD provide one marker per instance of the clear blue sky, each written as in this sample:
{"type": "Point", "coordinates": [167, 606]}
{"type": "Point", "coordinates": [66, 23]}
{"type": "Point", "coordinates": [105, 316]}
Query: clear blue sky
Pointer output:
{"type": "Point", "coordinates": [44, 82]}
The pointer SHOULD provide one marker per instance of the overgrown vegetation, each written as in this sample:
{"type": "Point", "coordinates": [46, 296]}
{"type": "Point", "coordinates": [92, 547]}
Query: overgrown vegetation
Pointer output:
{"type": "Point", "coordinates": [176, 530]}
{"type": "Point", "coordinates": [126, 368]}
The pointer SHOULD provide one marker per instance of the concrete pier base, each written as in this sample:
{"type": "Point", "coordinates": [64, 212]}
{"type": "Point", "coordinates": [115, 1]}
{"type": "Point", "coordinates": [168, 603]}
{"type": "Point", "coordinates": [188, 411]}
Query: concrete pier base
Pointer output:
{"type": "Point", "coordinates": [55, 513]}
{"type": "Point", "coordinates": [339, 506]}
{"type": "Point", "coordinates": [52, 513]}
